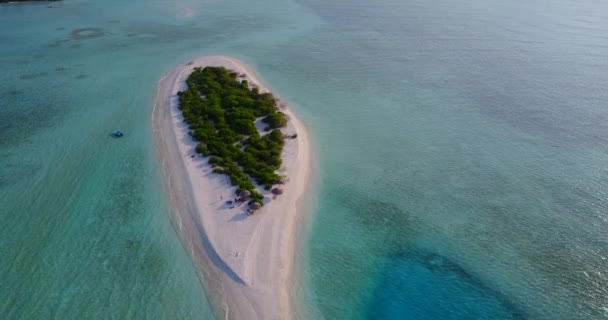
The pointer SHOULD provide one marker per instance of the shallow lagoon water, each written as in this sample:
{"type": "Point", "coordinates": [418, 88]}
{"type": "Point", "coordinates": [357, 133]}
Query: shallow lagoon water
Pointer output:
{"type": "Point", "coordinates": [462, 154]}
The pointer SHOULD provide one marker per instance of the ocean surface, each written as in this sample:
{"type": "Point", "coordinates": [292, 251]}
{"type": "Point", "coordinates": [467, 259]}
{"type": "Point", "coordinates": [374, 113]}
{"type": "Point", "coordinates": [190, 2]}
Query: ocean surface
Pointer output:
{"type": "Point", "coordinates": [462, 146]}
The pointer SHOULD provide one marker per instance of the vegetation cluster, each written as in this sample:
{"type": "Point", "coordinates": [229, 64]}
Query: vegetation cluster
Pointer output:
{"type": "Point", "coordinates": [221, 111]}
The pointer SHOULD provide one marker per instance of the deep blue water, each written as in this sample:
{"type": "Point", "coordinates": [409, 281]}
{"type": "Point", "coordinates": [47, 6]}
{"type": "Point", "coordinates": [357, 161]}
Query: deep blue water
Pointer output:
{"type": "Point", "coordinates": [462, 154]}
{"type": "Point", "coordinates": [417, 285]}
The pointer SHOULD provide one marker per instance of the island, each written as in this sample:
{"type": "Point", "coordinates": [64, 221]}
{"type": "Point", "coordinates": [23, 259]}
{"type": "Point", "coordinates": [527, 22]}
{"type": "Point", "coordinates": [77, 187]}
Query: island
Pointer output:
{"type": "Point", "coordinates": [228, 147]}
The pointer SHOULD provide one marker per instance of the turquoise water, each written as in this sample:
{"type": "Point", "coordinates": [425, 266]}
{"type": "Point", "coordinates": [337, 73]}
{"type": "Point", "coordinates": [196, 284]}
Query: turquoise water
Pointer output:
{"type": "Point", "coordinates": [462, 154]}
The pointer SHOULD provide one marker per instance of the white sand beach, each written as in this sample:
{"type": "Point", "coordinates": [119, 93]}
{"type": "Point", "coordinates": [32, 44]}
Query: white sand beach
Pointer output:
{"type": "Point", "coordinates": [246, 261]}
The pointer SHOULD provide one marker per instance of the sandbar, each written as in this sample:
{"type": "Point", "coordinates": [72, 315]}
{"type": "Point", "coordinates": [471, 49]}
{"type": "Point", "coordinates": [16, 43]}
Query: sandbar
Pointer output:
{"type": "Point", "coordinates": [246, 261]}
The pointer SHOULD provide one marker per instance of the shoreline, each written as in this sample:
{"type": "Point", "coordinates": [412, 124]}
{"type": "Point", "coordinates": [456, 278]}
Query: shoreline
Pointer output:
{"type": "Point", "coordinates": [246, 262]}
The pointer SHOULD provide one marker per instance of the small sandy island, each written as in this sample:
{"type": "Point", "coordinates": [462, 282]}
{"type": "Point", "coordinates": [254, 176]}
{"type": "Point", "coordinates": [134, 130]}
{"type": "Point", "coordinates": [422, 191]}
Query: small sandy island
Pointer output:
{"type": "Point", "coordinates": [246, 261]}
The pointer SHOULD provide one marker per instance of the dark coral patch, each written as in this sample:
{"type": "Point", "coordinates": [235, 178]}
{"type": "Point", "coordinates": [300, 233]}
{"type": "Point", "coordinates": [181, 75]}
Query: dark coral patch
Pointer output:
{"type": "Point", "coordinates": [30, 76]}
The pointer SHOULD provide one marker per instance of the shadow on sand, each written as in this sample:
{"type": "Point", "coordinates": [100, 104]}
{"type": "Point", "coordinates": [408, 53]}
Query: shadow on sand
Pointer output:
{"type": "Point", "coordinates": [239, 217]}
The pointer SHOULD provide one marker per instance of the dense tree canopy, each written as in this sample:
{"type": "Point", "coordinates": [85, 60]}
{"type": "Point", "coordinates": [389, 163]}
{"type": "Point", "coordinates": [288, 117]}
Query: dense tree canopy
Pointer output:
{"type": "Point", "coordinates": [275, 120]}
{"type": "Point", "coordinates": [221, 112]}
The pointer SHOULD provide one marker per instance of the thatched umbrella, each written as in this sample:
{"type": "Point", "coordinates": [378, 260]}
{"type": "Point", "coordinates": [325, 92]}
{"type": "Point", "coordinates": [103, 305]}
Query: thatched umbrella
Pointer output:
{"type": "Point", "coordinates": [255, 206]}
{"type": "Point", "coordinates": [245, 194]}
{"type": "Point", "coordinates": [277, 191]}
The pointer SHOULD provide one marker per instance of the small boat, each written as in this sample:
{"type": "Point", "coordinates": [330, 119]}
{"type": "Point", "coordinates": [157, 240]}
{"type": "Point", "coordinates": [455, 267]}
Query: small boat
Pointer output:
{"type": "Point", "coordinates": [118, 134]}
